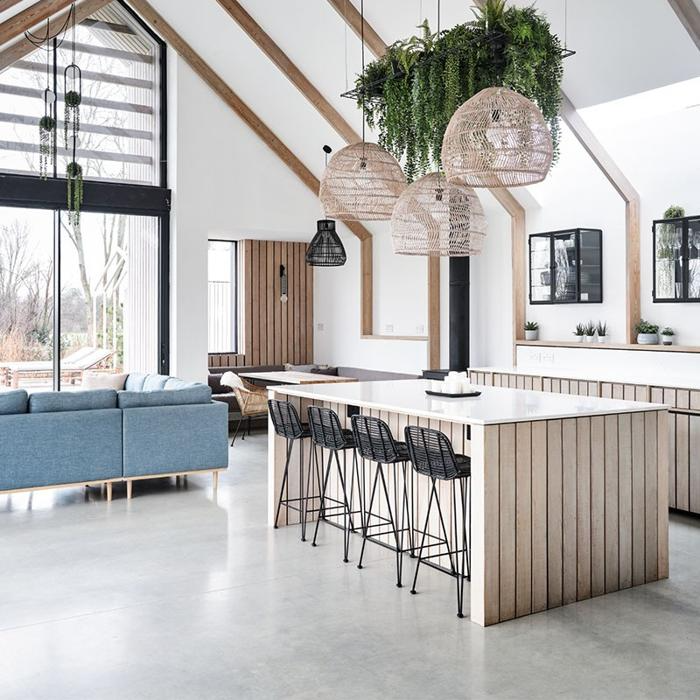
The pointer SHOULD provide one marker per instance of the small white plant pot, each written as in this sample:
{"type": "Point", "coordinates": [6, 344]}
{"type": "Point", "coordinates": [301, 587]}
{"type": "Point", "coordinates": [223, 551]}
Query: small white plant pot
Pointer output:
{"type": "Point", "coordinates": [602, 338]}
{"type": "Point", "coordinates": [580, 338]}
{"type": "Point", "coordinates": [532, 335]}
{"type": "Point", "coordinates": [647, 339]}
{"type": "Point", "coordinates": [667, 339]}
{"type": "Point", "coordinates": [590, 339]}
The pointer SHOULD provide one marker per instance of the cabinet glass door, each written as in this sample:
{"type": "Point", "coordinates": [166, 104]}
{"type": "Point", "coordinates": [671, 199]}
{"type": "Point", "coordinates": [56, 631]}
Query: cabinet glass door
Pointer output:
{"type": "Point", "coordinates": [694, 258]}
{"type": "Point", "coordinates": [565, 267]}
{"type": "Point", "coordinates": [590, 266]}
{"type": "Point", "coordinates": [540, 272]}
{"type": "Point", "coordinates": [669, 260]}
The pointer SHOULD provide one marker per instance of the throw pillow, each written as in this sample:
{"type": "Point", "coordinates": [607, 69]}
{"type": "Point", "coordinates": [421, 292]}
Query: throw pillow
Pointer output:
{"type": "Point", "coordinates": [104, 380]}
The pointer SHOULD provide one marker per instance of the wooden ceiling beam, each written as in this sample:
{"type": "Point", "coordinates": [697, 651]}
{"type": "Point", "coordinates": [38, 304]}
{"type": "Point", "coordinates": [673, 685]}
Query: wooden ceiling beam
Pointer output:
{"type": "Point", "coordinates": [266, 44]}
{"type": "Point", "coordinates": [22, 47]}
{"type": "Point", "coordinates": [689, 16]}
{"type": "Point", "coordinates": [7, 4]}
{"type": "Point", "coordinates": [347, 10]}
{"type": "Point", "coordinates": [30, 17]}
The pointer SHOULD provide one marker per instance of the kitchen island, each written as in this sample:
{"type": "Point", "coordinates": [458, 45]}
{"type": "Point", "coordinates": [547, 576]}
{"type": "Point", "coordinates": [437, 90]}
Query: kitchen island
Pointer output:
{"type": "Point", "coordinates": [569, 493]}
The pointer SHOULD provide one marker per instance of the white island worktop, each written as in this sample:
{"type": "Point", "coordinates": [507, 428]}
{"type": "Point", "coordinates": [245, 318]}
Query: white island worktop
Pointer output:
{"type": "Point", "coordinates": [569, 493]}
{"type": "Point", "coordinates": [495, 405]}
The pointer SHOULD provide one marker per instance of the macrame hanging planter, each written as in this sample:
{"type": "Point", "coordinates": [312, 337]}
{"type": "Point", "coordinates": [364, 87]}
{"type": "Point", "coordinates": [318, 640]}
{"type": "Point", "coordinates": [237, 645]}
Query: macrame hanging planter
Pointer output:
{"type": "Point", "coordinates": [47, 135]}
{"type": "Point", "coordinates": [74, 177]}
{"type": "Point", "coordinates": [498, 138]}
{"type": "Point", "coordinates": [73, 97]}
{"type": "Point", "coordinates": [435, 217]}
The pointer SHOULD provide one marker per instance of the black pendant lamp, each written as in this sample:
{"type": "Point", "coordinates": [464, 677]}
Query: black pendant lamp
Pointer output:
{"type": "Point", "coordinates": [326, 249]}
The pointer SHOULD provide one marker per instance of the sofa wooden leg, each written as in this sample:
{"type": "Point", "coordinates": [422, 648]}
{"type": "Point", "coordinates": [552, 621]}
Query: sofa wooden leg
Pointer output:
{"type": "Point", "coordinates": [215, 481]}
{"type": "Point", "coordinates": [129, 487]}
{"type": "Point", "coordinates": [109, 491]}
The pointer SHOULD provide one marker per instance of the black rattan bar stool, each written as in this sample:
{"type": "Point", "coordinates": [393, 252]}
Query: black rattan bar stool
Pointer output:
{"type": "Point", "coordinates": [376, 443]}
{"type": "Point", "coordinates": [287, 424]}
{"type": "Point", "coordinates": [327, 433]}
{"type": "Point", "coordinates": [432, 455]}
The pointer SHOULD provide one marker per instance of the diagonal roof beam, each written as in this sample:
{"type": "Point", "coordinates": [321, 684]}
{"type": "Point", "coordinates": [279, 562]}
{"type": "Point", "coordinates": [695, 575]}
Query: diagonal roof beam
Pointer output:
{"type": "Point", "coordinates": [31, 16]}
{"type": "Point", "coordinates": [689, 16]}
{"type": "Point", "coordinates": [21, 47]}
{"type": "Point", "coordinates": [7, 4]}
{"type": "Point", "coordinates": [347, 10]}
{"type": "Point", "coordinates": [290, 69]}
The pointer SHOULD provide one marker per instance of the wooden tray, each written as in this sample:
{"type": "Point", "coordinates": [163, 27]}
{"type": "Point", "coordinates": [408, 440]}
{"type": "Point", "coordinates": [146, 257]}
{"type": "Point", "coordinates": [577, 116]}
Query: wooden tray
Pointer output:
{"type": "Point", "coordinates": [442, 394]}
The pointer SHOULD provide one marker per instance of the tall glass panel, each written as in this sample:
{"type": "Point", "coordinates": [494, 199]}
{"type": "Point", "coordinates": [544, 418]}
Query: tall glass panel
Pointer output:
{"type": "Point", "coordinates": [222, 296]}
{"type": "Point", "coordinates": [694, 259]}
{"type": "Point", "coordinates": [591, 269]}
{"type": "Point", "coordinates": [109, 295]}
{"type": "Point", "coordinates": [669, 260]}
{"type": "Point", "coordinates": [565, 267]}
{"type": "Point", "coordinates": [541, 280]}
{"type": "Point", "coordinates": [26, 298]}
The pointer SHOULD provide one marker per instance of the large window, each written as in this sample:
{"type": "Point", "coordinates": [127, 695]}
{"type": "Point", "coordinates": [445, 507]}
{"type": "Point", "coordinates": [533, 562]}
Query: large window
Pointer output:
{"type": "Point", "coordinates": [95, 296]}
{"type": "Point", "coordinates": [223, 297]}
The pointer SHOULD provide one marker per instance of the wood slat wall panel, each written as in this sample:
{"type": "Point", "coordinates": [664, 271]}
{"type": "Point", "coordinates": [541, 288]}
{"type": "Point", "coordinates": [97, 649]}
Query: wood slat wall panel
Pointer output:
{"type": "Point", "coordinates": [583, 505]}
{"type": "Point", "coordinates": [612, 542]}
{"type": "Point", "coordinates": [569, 505]}
{"type": "Point", "coordinates": [274, 332]}
{"type": "Point", "coordinates": [523, 520]}
{"type": "Point", "coordinates": [539, 516]}
{"type": "Point", "coordinates": [554, 514]}
{"type": "Point", "coordinates": [625, 498]}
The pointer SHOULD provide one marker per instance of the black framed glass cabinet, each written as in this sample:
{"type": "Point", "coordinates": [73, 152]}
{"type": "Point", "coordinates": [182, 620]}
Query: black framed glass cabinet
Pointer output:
{"type": "Point", "coordinates": [677, 259]}
{"type": "Point", "coordinates": [566, 267]}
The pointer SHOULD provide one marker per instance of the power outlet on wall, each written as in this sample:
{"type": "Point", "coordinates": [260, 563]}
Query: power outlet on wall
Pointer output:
{"type": "Point", "coordinates": [389, 328]}
{"type": "Point", "coordinates": [320, 327]}
{"type": "Point", "coordinates": [420, 330]}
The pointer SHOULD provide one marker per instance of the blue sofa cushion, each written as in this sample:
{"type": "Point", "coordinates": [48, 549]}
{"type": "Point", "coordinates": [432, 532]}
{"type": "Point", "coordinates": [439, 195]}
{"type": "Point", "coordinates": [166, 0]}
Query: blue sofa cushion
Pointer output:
{"type": "Point", "coordinates": [134, 382]}
{"type": "Point", "coordinates": [12, 402]}
{"type": "Point", "coordinates": [55, 401]}
{"type": "Point", "coordinates": [155, 382]}
{"type": "Point", "coordinates": [191, 394]}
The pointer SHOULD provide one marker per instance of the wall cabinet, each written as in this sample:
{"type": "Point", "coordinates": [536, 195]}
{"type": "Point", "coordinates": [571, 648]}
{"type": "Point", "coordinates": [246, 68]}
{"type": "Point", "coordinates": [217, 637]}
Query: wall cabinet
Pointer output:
{"type": "Point", "coordinates": [566, 267]}
{"type": "Point", "coordinates": [677, 259]}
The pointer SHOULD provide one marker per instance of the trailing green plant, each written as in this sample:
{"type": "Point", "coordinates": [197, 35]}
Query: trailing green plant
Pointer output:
{"type": "Point", "coordinates": [666, 233]}
{"type": "Point", "coordinates": [74, 177]}
{"type": "Point", "coordinates": [415, 88]}
{"type": "Point", "coordinates": [47, 144]}
{"type": "Point", "coordinates": [531, 325]}
{"type": "Point", "coordinates": [590, 329]}
{"type": "Point", "coordinates": [71, 117]}
{"type": "Point", "coordinates": [668, 331]}
{"type": "Point", "coordinates": [645, 327]}
{"type": "Point", "coordinates": [580, 329]}
{"type": "Point", "coordinates": [674, 212]}
{"type": "Point", "coordinates": [602, 329]}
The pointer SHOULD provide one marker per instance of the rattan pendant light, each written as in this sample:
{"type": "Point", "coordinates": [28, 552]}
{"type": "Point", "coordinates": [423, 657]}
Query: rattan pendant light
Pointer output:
{"type": "Point", "coordinates": [362, 181]}
{"type": "Point", "coordinates": [435, 217]}
{"type": "Point", "coordinates": [497, 138]}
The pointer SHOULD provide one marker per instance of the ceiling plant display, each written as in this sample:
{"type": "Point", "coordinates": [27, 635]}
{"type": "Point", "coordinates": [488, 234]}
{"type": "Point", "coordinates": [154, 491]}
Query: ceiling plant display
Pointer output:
{"type": "Point", "coordinates": [411, 93]}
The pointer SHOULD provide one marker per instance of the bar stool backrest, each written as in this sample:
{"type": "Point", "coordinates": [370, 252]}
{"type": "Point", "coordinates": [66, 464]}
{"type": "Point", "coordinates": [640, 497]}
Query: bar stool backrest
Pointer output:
{"type": "Point", "coordinates": [431, 452]}
{"type": "Point", "coordinates": [285, 419]}
{"type": "Point", "coordinates": [374, 439]}
{"type": "Point", "coordinates": [325, 427]}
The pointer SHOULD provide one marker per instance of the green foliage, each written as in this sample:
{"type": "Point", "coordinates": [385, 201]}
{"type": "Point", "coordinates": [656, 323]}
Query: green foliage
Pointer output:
{"type": "Point", "coordinates": [645, 327]}
{"type": "Point", "coordinates": [47, 143]}
{"type": "Point", "coordinates": [668, 331]}
{"type": "Point", "coordinates": [415, 88]}
{"type": "Point", "coordinates": [602, 328]}
{"type": "Point", "coordinates": [590, 329]}
{"type": "Point", "coordinates": [74, 177]}
{"type": "Point", "coordinates": [674, 212]}
{"type": "Point", "coordinates": [580, 329]}
{"type": "Point", "coordinates": [531, 325]}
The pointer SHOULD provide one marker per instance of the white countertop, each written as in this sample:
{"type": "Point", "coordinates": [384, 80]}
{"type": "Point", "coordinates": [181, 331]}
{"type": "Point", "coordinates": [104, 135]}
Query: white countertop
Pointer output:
{"type": "Point", "coordinates": [495, 405]}
{"type": "Point", "coordinates": [602, 374]}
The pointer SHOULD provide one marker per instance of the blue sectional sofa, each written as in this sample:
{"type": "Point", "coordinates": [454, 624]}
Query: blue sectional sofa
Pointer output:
{"type": "Point", "coordinates": [157, 425]}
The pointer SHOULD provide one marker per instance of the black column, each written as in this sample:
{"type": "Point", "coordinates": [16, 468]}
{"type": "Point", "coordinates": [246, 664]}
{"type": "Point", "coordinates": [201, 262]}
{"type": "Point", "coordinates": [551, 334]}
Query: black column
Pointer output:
{"type": "Point", "coordinates": [459, 313]}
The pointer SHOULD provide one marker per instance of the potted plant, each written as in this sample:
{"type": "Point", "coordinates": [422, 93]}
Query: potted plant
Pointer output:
{"type": "Point", "coordinates": [667, 336]}
{"type": "Point", "coordinates": [532, 330]}
{"type": "Point", "coordinates": [602, 330]}
{"type": "Point", "coordinates": [590, 332]}
{"type": "Point", "coordinates": [647, 333]}
{"type": "Point", "coordinates": [580, 332]}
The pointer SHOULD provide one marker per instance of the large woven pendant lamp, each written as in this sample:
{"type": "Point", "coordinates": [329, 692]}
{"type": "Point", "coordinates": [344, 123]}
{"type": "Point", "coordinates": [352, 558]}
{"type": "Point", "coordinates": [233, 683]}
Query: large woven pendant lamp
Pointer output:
{"type": "Point", "coordinates": [436, 217]}
{"type": "Point", "coordinates": [497, 138]}
{"type": "Point", "coordinates": [362, 181]}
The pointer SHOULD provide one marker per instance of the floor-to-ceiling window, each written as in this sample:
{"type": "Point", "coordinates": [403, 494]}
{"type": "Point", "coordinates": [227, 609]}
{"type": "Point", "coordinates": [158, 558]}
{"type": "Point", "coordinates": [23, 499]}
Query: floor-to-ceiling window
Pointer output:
{"type": "Point", "coordinates": [223, 297]}
{"type": "Point", "coordinates": [93, 296]}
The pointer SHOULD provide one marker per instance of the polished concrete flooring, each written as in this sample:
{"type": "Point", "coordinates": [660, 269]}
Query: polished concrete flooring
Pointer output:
{"type": "Point", "coordinates": [174, 595]}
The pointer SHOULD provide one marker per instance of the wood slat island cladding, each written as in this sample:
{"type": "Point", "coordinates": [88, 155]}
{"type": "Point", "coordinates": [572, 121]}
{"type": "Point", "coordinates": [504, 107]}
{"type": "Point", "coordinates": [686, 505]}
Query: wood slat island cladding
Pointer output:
{"type": "Point", "coordinates": [562, 510]}
{"type": "Point", "coordinates": [272, 332]}
{"type": "Point", "coordinates": [683, 422]}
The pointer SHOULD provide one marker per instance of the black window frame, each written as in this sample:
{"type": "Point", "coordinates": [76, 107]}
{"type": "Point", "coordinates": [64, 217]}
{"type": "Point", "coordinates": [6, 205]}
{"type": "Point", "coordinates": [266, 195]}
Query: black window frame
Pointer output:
{"type": "Point", "coordinates": [32, 192]}
{"type": "Point", "coordinates": [553, 235]}
{"type": "Point", "coordinates": [685, 266]}
{"type": "Point", "coordinates": [235, 295]}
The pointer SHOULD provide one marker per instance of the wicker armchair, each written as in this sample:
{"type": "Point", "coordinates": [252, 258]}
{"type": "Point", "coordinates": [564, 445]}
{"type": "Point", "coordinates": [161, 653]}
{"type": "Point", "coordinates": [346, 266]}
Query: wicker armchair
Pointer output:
{"type": "Point", "coordinates": [252, 400]}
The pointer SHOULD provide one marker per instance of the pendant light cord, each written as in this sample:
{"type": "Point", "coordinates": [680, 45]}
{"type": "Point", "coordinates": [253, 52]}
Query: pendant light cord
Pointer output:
{"type": "Point", "coordinates": [364, 76]}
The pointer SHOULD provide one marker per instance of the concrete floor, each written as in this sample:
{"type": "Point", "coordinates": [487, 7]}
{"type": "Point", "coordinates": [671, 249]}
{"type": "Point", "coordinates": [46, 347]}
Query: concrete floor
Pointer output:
{"type": "Point", "coordinates": [173, 595]}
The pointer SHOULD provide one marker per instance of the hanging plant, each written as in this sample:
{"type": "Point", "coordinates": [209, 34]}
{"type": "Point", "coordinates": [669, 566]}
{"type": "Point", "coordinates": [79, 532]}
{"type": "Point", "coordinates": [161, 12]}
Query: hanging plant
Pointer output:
{"type": "Point", "coordinates": [74, 176]}
{"type": "Point", "coordinates": [71, 119]}
{"type": "Point", "coordinates": [415, 88]}
{"type": "Point", "coordinates": [47, 144]}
